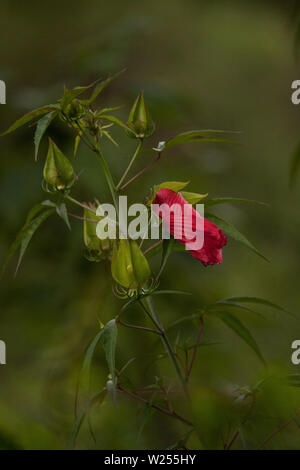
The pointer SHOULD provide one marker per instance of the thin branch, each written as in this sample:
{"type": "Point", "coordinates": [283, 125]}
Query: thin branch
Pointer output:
{"type": "Point", "coordinates": [195, 349]}
{"type": "Point", "coordinates": [136, 327]}
{"type": "Point", "coordinates": [137, 151]}
{"type": "Point", "coordinates": [227, 447]}
{"type": "Point", "coordinates": [153, 246]}
{"type": "Point", "coordinates": [140, 173]}
{"type": "Point", "coordinates": [181, 363]}
{"type": "Point", "coordinates": [84, 206]}
{"type": "Point", "coordinates": [284, 425]}
{"type": "Point", "coordinates": [236, 434]}
{"type": "Point", "coordinates": [156, 407]}
{"type": "Point", "coordinates": [82, 218]}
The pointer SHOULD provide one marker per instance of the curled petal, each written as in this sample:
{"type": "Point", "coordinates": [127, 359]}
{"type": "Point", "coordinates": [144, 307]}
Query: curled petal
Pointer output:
{"type": "Point", "coordinates": [202, 238]}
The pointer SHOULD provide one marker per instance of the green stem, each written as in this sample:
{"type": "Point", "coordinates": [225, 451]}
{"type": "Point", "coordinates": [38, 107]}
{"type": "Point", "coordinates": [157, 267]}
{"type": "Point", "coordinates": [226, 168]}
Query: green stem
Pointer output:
{"type": "Point", "coordinates": [79, 203]}
{"type": "Point", "coordinates": [95, 147]}
{"type": "Point", "coordinates": [108, 177]}
{"type": "Point", "coordinates": [130, 164]}
{"type": "Point", "coordinates": [153, 315]}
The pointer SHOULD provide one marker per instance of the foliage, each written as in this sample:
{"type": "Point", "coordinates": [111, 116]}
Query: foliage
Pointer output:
{"type": "Point", "coordinates": [131, 274]}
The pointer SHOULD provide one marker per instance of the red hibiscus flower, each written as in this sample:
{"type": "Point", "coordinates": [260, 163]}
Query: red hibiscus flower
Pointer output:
{"type": "Point", "coordinates": [190, 227]}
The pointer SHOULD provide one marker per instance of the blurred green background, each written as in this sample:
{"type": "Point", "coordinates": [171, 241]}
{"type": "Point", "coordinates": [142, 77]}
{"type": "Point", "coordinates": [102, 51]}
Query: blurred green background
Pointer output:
{"type": "Point", "coordinates": [202, 64]}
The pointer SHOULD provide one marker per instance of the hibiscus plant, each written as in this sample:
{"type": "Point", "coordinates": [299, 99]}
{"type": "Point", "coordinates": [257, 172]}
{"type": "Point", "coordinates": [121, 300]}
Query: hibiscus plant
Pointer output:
{"type": "Point", "coordinates": [132, 278]}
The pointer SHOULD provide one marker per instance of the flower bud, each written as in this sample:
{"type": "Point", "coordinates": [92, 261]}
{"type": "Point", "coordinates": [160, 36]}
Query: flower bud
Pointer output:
{"type": "Point", "coordinates": [102, 248]}
{"type": "Point", "coordinates": [58, 171]}
{"type": "Point", "coordinates": [140, 120]}
{"type": "Point", "coordinates": [74, 110]}
{"type": "Point", "coordinates": [129, 266]}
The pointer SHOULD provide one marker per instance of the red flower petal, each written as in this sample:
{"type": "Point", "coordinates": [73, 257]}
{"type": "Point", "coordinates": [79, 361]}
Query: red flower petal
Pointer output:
{"type": "Point", "coordinates": [190, 227]}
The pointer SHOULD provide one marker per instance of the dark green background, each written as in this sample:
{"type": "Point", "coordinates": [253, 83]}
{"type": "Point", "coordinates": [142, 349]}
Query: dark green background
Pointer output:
{"type": "Point", "coordinates": [202, 64]}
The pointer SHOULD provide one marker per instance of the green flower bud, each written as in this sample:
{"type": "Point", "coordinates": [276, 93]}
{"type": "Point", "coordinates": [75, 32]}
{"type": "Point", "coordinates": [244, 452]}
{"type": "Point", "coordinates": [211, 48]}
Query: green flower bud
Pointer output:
{"type": "Point", "coordinates": [129, 266]}
{"type": "Point", "coordinates": [58, 171]}
{"type": "Point", "coordinates": [91, 240]}
{"type": "Point", "coordinates": [74, 110]}
{"type": "Point", "coordinates": [140, 120]}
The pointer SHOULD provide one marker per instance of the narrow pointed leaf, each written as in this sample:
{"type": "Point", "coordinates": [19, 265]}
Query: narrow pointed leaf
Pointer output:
{"type": "Point", "coordinates": [116, 121]}
{"type": "Point", "coordinates": [107, 134]}
{"type": "Point", "coordinates": [98, 398]}
{"type": "Point", "coordinates": [232, 200]}
{"type": "Point", "coordinates": [76, 144]}
{"type": "Point", "coordinates": [25, 234]}
{"type": "Point", "coordinates": [109, 342]}
{"type": "Point", "coordinates": [231, 231]}
{"type": "Point", "coordinates": [103, 84]}
{"type": "Point", "coordinates": [42, 126]}
{"type": "Point", "coordinates": [237, 326]}
{"type": "Point", "coordinates": [170, 292]}
{"type": "Point", "coordinates": [235, 305]}
{"type": "Point", "coordinates": [63, 214]}
{"type": "Point", "coordinates": [36, 113]}
{"type": "Point", "coordinates": [257, 300]}
{"type": "Point", "coordinates": [29, 232]}
{"type": "Point", "coordinates": [83, 386]}
{"type": "Point", "coordinates": [196, 136]}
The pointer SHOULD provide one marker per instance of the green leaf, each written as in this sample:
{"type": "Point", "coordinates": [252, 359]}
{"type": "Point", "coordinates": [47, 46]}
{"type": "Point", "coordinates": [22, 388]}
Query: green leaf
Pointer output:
{"type": "Point", "coordinates": [62, 212]}
{"type": "Point", "coordinates": [107, 134]}
{"type": "Point", "coordinates": [30, 116]}
{"type": "Point", "coordinates": [109, 342]}
{"type": "Point", "coordinates": [232, 200]}
{"type": "Point", "coordinates": [98, 398]}
{"type": "Point", "coordinates": [42, 126]}
{"type": "Point", "coordinates": [103, 84]}
{"type": "Point", "coordinates": [29, 232]}
{"type": "Point", "coordinates": [295, 166]}
{"type": "Point", "coordinates": [126, 365]}
{"type": "Point", "coordinates": [38, 208]}
{"type": "Point", "coordinates": [148, 411]}
{"type": "Point", "coordinates": [116, 121]}
{"type": "Point", "coordinates": [108, 110]}
{"type": "Point", "coordinates": [257, 300]}
{"type": "Point", "coordinates": [233, 304]}
{"type": "Point", "coordinates": [193, 198]}
{"type": "Point", "coordinates": [231, 231]}
{"type": "Point", "coordinates": [236, 325]}
{"type": "Point", "coordinates": [85, 372]}
{"type": "Point", "coordinates": [24, 236]}
{"type": "Point", "coordinates": [170, 292]}
{"type": "Point", "coordinates": [194, 136]}
{"type": "Point", "coordinates": [76, 144]}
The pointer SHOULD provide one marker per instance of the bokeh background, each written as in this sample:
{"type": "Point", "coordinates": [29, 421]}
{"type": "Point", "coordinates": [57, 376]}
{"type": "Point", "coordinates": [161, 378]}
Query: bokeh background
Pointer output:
{"type": "Point", "coordinates": [202, 64]}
